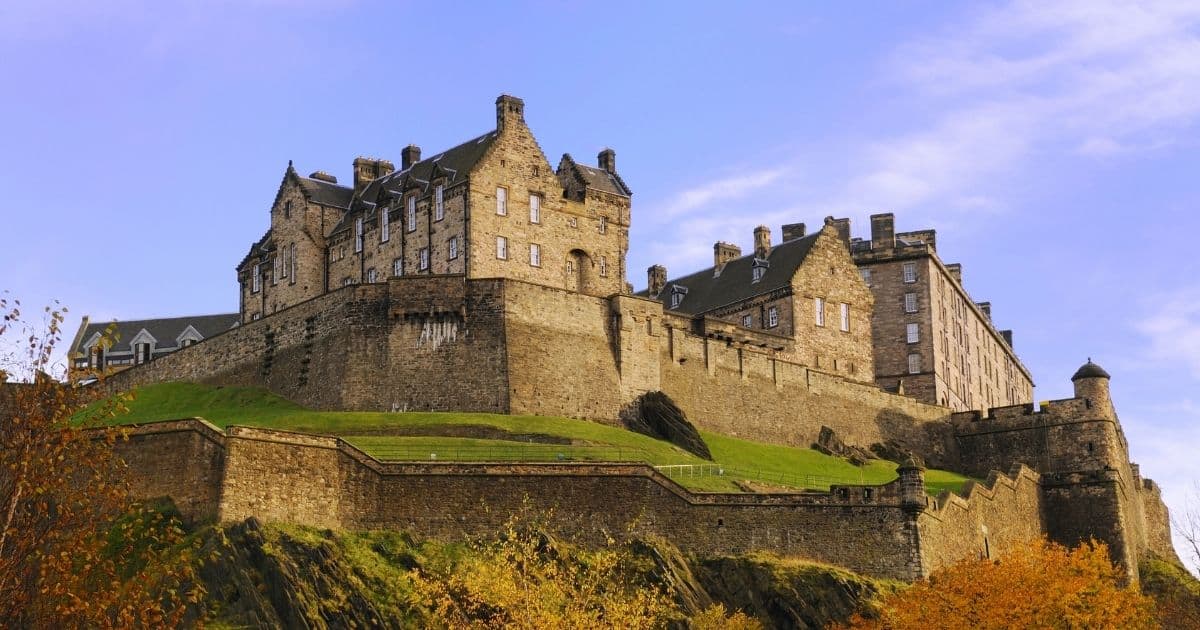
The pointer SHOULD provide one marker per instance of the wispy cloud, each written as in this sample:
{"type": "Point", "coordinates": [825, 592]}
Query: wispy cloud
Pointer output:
{"type": "Point", "coordinates": [1172, 330]}
{"type": "Point", "coordinates": [725, 189]}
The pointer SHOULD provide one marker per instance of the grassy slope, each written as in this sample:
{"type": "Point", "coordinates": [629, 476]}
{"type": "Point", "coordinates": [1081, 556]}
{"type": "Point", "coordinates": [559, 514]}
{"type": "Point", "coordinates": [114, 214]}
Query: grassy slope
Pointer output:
{"type": "Point", "coordinates": [742, 459]}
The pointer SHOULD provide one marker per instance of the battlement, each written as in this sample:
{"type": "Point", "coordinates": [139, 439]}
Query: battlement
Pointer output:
{"type": "Point", "coordinates": [1025, 415]}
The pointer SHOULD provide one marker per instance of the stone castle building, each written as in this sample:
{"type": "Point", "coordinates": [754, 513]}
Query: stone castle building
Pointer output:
{"type": "Point", "coordinates": [116, 346]}
{"type": "Point", "coordinates": [483, 280]}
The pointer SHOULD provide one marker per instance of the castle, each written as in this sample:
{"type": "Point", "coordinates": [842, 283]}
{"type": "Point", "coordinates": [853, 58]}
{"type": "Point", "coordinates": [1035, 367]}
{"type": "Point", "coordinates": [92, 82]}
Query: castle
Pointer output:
{"type": "Point", "coordinates": [481, 279]}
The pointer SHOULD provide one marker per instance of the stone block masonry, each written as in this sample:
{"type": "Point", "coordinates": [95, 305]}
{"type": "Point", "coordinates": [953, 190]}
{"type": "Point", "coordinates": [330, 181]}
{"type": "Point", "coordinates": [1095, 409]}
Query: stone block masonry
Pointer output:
{"type": "Point", "coordinates": [322, 481]}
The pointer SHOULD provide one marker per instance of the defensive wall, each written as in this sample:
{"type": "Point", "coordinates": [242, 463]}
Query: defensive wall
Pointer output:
{"type": "Point", "coordinates": [891, 531]}
{"type": "Point", "coordinates": [445, 343]}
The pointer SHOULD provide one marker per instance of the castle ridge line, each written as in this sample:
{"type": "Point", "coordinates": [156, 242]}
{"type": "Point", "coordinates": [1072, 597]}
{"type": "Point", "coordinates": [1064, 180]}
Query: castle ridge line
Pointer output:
{"type": "Point", "coordinates": [510, 296]}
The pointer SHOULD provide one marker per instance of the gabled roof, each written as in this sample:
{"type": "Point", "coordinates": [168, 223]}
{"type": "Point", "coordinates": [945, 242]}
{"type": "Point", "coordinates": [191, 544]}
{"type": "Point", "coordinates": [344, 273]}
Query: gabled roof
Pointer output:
{"type": "Point", "coordinates": [455, 164]}
{"type": "Point", "coordinates": [164, 331]}
{"type": "Point", "coordinates": [325, 193]}
{"type": "Point", "coordinates": [706, 291]}
{"type": "Point", "coordinates": [594, 178]}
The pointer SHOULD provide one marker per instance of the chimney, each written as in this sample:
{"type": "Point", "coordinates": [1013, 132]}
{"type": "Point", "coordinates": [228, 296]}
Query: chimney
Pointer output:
{"type": "Point", "coordinates": [409, 155]}
{"type": "Point", "coordinates": [883, 231]}
{"type": "Point", "coordinates": [510, 110]}
{"type": "Point", "coordinates": [986, 307]}
{"type": "Point", "coordinates": [762, 242]}
{"type": "Point", "coordinates": [607, 160]}
{"type": "Point", "coordinates": [724, 252]}
{"type": "Point", "coordinates": [793, 231]}
{"type": "Point", "coordinates": [367, 170]}
{"type": "Point", "coordinates": [843, 229]}
{"type": "Point", "coordinates": [955, 270]}
{"type": "Point", "coordinates": [656, 279]}
{"type": "Point", "coordinates": [1007, 334]}
{"type": "Point", "coordinates": [323, 176]}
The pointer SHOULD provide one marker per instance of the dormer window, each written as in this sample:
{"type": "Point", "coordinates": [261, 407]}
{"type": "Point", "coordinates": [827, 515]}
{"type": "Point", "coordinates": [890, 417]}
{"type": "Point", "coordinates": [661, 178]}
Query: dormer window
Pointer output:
{"type": "Point", "coordinates": [677, 293]}
{"type": "Point", "coordinates": [759, 270]}
{"type": "Point", "coordinates": [141, 353]}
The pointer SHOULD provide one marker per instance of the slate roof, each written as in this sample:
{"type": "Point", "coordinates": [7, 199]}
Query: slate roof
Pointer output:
{"type": "Point", "coordinates": [707, 292]}
{"type": "Point", "coordinates": [326, 193]}
{"type": "Point", "coordinates": [165, 331]}
{"type": "Point", "coordinates": [1089, 370]}
{"type": "Point", "coordinates": [454, 163]}
{"type": "Point", "coordinates": [602, 180]}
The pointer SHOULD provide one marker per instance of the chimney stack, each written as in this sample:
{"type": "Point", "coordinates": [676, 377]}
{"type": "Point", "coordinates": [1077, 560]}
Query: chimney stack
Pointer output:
{"type": "Point", "coordinates": [724, 252]}
{"type": "Point", "coordinates": [986, 307]}
{"type": "Point", "coordinates": [793, 231]}
{"type": "Point", "coordinates": [323, 176]}
{"type": "Point", "coordinates": [607, 160]}
{"type": "Point", "coordinates": [410, 155]}
{"type": "Point", "coordinates": [955, 270]}
{"type": "Point", "coordinates": [1007, 334]}
{"type": "Point", "coordinates": [843, 229]}
{"type": "Point", "coordinates": [510, 110]}
{"type": "Point", "coordinates": [656, 277]}
{"type": "Point", "coordinates": [762, 242]}
{"type": "Point", "coordinates": [883, 231]}
{"type": "Point", "coordinates": [367, 170]}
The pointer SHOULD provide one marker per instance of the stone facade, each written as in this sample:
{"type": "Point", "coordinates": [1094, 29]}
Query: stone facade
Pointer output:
{"type": "Point", "coordinates": [954, 357]}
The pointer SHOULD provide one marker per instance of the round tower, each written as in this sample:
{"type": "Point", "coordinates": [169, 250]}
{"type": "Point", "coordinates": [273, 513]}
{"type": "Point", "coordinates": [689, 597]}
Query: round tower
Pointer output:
{"type": "Point", "coordinates": [912, 484]}
{"type": "Point", "coordinates": [1091, 383]}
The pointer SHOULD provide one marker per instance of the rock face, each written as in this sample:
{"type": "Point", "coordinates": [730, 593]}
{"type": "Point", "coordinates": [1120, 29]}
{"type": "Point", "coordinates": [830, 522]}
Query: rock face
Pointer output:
{"type": "Point", "coordinates": [829, 443]}
{"type": "Point", "coordinates": [656, 415]}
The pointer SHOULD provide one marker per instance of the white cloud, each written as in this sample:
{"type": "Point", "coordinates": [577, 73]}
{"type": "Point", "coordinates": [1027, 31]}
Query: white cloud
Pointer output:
{"type": "Point", "coordinates": [1172, 329]}
{"type": "Point", "coordinates": [725, 189]}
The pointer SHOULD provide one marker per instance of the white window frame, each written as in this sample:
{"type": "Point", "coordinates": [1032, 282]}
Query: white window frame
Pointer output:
{"type": "Point", "coordinates": [535, 209]}
{"type": "Point", "coordinates": [603, 228]}
{"type": "Point", "coordinates": [439, 203]}
{"type": "Point", "coordinates": [502, 201]}
{"type": "Point", "coordinates": [452, 248]}
{"type": "Point", "coordinates": [676, 298]}
{"type": "Point", "coordinates": [143, 352]}
{"type": "Point", "coordinates": [276, 264]}
{"type": "Point", "coordinates": [292, 261]}
{"type": "Point", "coordinates": [819, 311]}
{"type": "Point", "coordinates": [410, 208]}
{"type": "Point", "coordinates": [910, 302]}
{"type": "Point", "coordinates": [772, 317]}
{"type": "Point", "coordinates": [914, 363]}
{"type": "Point", "coordinates": [844, 313]}
{"type": "Point", "coordinates": [372, 276]}
{"type": "Point", "coordinates": [358, 235]}
{"type": "Point", "coordinates": [501, 248]}
{"type": "Point", "coordinates": [747, 321]}
{"type": "Point", "coordinates": [866, 276]}
{"type": "Point", "coordinates": [423, 259]}
{"type": "Point", "coordinates": [909, 270]}
{"type": "Point", "coordinates": [535, 255]}
{"type": "Point", "coordinates": [398, 267]}
{"type": "Point", "coordinates": [256, 280]}
{"type": "Point", "coordinates": [603, 266]}
{"type": "Point", "coordinates": [385, 226]}
{"type": "Point", "coordinates": [758, 273]}
{"type": "Point", "coordinates": [912, 333]}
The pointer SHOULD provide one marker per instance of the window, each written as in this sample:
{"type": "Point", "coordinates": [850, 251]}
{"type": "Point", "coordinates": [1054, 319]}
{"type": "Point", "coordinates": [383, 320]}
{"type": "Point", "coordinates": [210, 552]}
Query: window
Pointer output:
{"type": "Point", "coordinates": [603, 225]}
{"type": "Point", "coordinates": [452, 248]}
{"type": "Point", "coordinates": [439, 206]}
{"type": "Point", "coordinates": [98, 357]}
{"type": "Point", "coordinates": [758, 273]}
{"type": "Point", "coordinates": [572, 221]}
{"type": "Point", "coordinates": [747, 321]}
{"type": "Point", "coordinates": [914, 363]}
{"type": "Point", "coordinates": [277, 264]}
{"type": "Point", "coordinates": [345, 282]}
{"type": "Point", "coordinates": [358, 235]}
{"type": "Point", "coordinates": [535, 209]}
{"type": "Point", "coordinates": [501, 247]}
{"type": "Point", "coordinates": [424, 259]}
{"type": "Point", "coordinates": [819, 310]}
{"type": "Point", "coordinates": [258, 316]}
{"type": "Point", "coordinates": [292, 262]}
{"type": "Point", "coordinates": [256, 281]}
{"type": "Point", "coordinates": [772, 317]}
{"type": "Point", "coordinates": [371, 275]}
{"type": "Point", "coordinates": [910, 302]}
{"type": "Point", "coordinates": [385, 227]}
{"type": "Point", "coordinates": [914, 333]}
{"type": "Point", "coordinates": [676, 298]}
{"type": "Point", "coordinates": [188, 342]}
{"type": "Point", "coordinates": [910, 273]}
{"type": "Point", "coordinates": [287, 209]}
{"type": "Point", "coordinates": [398, 267]}
{"type": "Point", "coordinates": [411, 209]}
{"type": "Point", "coordinates": [603, 267]}
{"type": "Point", "coordinates": [844, 311]}
{"type": "Point", "coordinates": [866, 275]}
{"type": "Point", "coordinates": [502, 202]}
{"type": "Point", "coordinates": [535, 255]}
{"type": "Point", "coordinates": [141, 353]}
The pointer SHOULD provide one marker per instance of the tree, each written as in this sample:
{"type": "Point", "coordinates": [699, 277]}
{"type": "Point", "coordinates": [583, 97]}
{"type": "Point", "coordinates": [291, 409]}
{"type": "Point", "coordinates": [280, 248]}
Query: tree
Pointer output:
{"type": "Point", "coordinates": [74, 550]}
{"type": "Point", "coordinates": [1037, 585]}
{"type": "Point", "coordinates": [1188, 526]}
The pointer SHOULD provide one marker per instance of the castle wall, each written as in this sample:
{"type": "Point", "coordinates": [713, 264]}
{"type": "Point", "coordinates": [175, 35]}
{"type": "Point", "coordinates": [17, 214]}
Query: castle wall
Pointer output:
{"type": "Point", "coordinates": [987, 521]}
{"type": "Point", "coordinates": [1093, 505]}
{"type": "Point", "coordinates": [182, 459]}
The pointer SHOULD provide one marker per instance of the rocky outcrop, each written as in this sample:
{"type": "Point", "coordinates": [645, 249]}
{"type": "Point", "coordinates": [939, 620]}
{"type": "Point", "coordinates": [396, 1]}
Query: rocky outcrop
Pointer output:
{"type": "Point", "coordinates": [829, 443]}
{"type": "Point", "coordinates": [656, 415]}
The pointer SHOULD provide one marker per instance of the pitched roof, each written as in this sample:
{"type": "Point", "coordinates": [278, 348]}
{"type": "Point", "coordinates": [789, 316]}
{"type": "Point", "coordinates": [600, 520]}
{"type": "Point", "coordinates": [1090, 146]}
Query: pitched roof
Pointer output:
{"type": "Point", "coordinates": [326, 193]}
{"type": "Point", "coordinates": [165, 331]}
{"type": "Point", "coordinates": [454, 164]}
{"type": "Point", "coordinates": [707, 291]}
{"type": "Point", "coordinates": [591, 177]}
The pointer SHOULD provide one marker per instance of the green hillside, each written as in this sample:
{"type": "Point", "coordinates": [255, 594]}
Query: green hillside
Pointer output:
{"type": "Point", "coordinates": [497, 437]}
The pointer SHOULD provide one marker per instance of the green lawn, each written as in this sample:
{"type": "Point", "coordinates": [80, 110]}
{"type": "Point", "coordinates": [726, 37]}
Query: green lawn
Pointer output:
{"type": "Point", "coordinates": [514, 438]}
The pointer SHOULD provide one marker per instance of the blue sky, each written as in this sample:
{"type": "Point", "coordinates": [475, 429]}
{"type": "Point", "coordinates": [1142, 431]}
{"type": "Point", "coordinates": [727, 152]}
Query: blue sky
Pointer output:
{"type": "Point", "coordinates": [1052, 145]}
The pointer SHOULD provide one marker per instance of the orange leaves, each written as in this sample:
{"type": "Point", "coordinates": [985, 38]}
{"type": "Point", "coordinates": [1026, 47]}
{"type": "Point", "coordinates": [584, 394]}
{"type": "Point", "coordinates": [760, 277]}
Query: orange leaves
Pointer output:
{"type": "Point", "coordinates": [1038, 585]}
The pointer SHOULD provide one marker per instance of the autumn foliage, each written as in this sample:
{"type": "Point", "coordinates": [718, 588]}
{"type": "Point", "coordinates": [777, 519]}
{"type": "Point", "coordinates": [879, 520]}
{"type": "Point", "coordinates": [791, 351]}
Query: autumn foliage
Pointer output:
{"type": "Point", "coordinates": [1037, 585]}
{"type": "Point", "coordinates": [74, 550]}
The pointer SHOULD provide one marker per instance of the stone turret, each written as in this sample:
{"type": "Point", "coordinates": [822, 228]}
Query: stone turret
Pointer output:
{"type": "Point", "coordinates": [762, 242]}
{"type": "Point", "coordinates": [912, 485]}
{"type": "Point", "coordinates": [1091, 383]}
